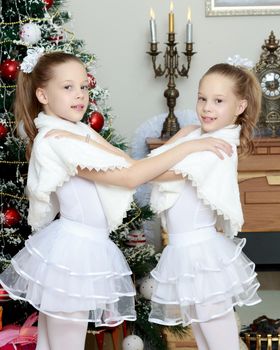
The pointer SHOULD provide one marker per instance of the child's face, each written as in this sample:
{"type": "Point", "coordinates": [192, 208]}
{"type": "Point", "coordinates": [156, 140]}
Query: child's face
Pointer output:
{"type": "Point", "coordinates": [217, 106]}
{"type": "Point", "coordinates": [66, 93]}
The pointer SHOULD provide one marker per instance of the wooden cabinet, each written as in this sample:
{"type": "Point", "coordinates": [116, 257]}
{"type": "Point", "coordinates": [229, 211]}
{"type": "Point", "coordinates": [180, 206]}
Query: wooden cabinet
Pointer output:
{"type": "Point", "coordinates": [259, 184]}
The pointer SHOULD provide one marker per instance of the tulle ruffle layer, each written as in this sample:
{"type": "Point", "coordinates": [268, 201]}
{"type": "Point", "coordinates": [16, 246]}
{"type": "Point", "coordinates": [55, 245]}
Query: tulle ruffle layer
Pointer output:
{"type": "Point", "coordinates": [69, 267]}
{"type": "Point", "coordinates": [202, 278]}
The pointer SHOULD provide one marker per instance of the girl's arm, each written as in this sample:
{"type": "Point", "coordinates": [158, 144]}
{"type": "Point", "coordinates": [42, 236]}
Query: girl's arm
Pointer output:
{"type": "Point", "coordinates": [146, 169]}
{"type": "Point", "coordinates": [181, 133]}
{"type": "Point", "coordinates": [170, 175]}
{"type": "Point", "coordinates": [111, 148]}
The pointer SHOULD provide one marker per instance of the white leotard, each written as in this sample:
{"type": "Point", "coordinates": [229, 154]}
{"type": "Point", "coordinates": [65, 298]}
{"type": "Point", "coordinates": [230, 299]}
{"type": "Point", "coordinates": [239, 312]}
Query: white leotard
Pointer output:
{"type": "Point", "coordinates": [79, 201]}
{"type": "Point", "coordinates": [189, 213]}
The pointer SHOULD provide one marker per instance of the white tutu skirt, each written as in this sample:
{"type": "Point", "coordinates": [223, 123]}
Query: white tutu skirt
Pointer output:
{"type": "Point", "coordinates": [70, 267]}
{"type": "Point", "coordinates": [200, 276]}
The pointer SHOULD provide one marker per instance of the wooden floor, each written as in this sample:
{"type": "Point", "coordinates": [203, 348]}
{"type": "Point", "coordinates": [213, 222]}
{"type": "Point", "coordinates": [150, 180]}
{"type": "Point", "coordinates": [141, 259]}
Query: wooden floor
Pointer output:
{"type": "Point", "coordinates": [269, 280]}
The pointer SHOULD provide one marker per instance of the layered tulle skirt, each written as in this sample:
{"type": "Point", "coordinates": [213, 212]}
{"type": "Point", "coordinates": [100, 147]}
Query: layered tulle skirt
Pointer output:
{"type": "Point", "coordinates": [70, 267]}
{"type": "Point", "coordinates": [200, 276]}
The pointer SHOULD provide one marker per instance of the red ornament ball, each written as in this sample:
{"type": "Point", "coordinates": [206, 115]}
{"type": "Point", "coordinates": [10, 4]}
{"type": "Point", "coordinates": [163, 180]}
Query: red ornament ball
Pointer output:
{"type": "Point", "coordinates": [3, 131]}
{"type": "Point", "coordinates": [9, 69]}
{"type": "Point", "coordinates": [91, 81]}
{"type": "Point", "coordinates": [48, 3]}
{"type": "Point", "coordinates": [11, 217]}
{"type": "Point", "coordinates": [96, 121]}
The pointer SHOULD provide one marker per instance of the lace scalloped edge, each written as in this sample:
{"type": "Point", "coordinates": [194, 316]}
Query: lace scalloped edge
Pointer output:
{"type": "Point", "coordinates": [236, 226]}
{"type": "Point", "coordinates": [73, 172]}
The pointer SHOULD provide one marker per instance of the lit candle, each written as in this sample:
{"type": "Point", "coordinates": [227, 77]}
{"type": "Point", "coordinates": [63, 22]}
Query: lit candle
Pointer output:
{"type": "Point", "coordinates": [189, 27]}
{"type": "Point", "coordinates": [171, 18]}
{"type": "Point", "coordinates": [153, 28]}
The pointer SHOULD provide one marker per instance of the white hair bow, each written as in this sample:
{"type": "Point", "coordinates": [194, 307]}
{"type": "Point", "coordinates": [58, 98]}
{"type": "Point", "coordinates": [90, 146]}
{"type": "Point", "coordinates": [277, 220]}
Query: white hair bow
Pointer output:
{"type": "Point", "coordinates": [238, 61]}
{"type": "Point", "coordinates": [31, 59]}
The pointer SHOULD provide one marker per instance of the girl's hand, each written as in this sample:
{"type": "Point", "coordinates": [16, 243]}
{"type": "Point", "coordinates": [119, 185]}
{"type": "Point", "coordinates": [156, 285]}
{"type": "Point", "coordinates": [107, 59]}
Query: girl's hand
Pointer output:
{"type": "Point", "coordinates": [58, 133]}
{"type": "Point", "coordinates": [212, 144]}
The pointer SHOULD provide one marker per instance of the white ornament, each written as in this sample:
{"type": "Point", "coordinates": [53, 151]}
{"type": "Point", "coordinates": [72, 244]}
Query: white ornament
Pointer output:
{"type": "Point", "coordinates": [238, 61]}
{"type": "Point", "coordinates": [31, 59]}
{"type": "Point", "coordinates": [136, 238]}
{"type": "Point", "coordinates": [146, 288]}
{"type": "Point", "coordinates": [30, 33]}
{"type": "Point", "coordinates": [132, 342]}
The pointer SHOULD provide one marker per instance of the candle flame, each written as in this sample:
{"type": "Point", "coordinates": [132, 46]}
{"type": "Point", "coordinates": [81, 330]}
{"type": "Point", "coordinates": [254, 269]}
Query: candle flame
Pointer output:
{"type": "Point", "coordinates": [171, 6]}
{"type": "Point", "coordinates": [152, 13]}
{"type": "Point", "coordinates": [189, 14]}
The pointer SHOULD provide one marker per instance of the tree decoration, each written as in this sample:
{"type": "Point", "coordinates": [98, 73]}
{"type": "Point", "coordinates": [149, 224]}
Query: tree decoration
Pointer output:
{"type": "Point", "coordinates": [9, 69]}
{"type": "Point", "coordinates": [96, 121]}
{"type": "Point", "coordinates": [30, 33]}
{"type": "Point", "coordinates": [11, 217]}
{"type": "Point", "coordinates": [91, 81]}
{"type": "Point", "coordinates": [146, 288]}
{"type": "Point", "coordinates": [4, 296]}
{"type": "Point", "coordinates": [132, 342]}
{"type": "Point", "coordinates": [48, 3]}
{"type": "Point", "coordinates": [57, 36]}
{"type": "Point", "coordinates": [136, 238]}
{"type": "Point", "coordinates": [3, 131]}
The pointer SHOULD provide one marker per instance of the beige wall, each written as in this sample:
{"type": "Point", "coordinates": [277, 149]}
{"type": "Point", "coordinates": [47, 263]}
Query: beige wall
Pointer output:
{"type": "Point", "coordinates": [118, 33]}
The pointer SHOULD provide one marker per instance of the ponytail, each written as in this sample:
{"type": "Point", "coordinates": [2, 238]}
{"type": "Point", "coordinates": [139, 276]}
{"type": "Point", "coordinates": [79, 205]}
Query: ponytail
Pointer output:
{"type": "Point", "coordinates": [26, 108]}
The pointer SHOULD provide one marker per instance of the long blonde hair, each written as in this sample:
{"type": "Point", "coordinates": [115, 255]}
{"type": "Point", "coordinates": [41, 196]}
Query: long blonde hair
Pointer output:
{"type": "Point", "coordinates": [246, 87]}
{"type": "Point", "coordinates": [26, 105]}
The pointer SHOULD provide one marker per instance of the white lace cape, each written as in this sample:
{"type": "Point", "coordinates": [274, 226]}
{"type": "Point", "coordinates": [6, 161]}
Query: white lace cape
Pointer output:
{"type": "Point", "coordinates": [54, 160]}
{"type": "Point", "coordinates": [215, 180]}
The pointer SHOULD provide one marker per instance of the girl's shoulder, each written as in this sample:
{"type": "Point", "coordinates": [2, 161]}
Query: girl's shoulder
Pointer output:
{"type": "Point", "coordinates": [186, 130]}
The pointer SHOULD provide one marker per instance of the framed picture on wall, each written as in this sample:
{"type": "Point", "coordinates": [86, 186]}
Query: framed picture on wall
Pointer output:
{"type": "Point", "coordinates": [242, 7]}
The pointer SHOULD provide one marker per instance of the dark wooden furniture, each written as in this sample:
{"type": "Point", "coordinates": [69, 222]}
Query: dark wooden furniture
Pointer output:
{"type": "Point", "coordinates": [259, 184]}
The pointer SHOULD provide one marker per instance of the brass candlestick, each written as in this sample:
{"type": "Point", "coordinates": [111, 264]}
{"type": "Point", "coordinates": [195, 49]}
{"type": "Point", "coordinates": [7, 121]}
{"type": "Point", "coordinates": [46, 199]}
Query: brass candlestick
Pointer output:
{"type": "Point", "coordinates": [171, 70]}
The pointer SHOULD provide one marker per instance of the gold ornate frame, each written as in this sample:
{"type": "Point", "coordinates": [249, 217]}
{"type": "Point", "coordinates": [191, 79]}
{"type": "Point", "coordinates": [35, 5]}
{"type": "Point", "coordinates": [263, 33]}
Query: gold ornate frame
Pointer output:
{"type": "Point", "coordinates": [219, 8]}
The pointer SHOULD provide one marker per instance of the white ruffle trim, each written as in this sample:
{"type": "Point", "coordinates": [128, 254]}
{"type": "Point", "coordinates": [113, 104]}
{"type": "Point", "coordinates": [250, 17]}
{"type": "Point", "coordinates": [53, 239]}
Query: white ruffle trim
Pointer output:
{"type": "Point", "coordinates": [234, 223]}
{"type": "Point", "coordinates": [73, 172]}
{"type": "Point", "coordinates": [61, 272]}
{"type": "Point", "coordinates": [213, 276]}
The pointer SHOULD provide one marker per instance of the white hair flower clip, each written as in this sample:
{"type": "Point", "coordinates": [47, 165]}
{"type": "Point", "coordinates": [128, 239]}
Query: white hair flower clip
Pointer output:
{"type": "Point", "coordinates": [31, 59]}
{"type": "Point", "coordinates": [238, 61]}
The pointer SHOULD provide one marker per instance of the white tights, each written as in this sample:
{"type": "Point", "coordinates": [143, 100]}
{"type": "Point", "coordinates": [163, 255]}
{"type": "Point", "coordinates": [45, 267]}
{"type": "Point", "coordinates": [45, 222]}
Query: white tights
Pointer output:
{"type": "Point", "coordinates": [57, 334]}
{"type": "Point", "coordinates": [217, 334]}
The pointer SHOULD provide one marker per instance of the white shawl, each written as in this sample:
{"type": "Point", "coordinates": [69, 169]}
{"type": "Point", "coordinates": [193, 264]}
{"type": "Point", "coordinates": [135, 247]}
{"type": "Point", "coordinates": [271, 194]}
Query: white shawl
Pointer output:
{"type": "Point", "coordinates": [215, 180]}
{"type": "Point", "coordinates": [54, 160]}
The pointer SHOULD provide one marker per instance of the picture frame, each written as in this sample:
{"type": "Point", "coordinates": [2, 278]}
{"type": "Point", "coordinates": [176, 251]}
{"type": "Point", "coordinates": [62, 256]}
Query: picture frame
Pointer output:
{"type": "Point", "coordinates": [241, 7]}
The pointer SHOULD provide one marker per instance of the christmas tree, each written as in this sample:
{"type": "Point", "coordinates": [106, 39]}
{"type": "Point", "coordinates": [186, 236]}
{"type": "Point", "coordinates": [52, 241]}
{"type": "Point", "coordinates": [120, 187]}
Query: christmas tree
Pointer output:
{"type": "Point", "coordinates": [40, 23]}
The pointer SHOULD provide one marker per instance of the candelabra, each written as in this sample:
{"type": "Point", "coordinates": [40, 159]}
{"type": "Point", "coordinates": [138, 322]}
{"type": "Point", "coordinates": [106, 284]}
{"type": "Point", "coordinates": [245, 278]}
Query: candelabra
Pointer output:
{"type": "Point", "coordinates": [171, 71]}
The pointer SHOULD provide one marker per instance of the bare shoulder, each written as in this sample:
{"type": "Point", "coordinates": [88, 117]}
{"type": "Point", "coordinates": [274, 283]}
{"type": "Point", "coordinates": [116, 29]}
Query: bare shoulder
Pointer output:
{"type": "Point", "coordinates": [183, 132]}
{"type": "Point", "coordinates": [188, 129]}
